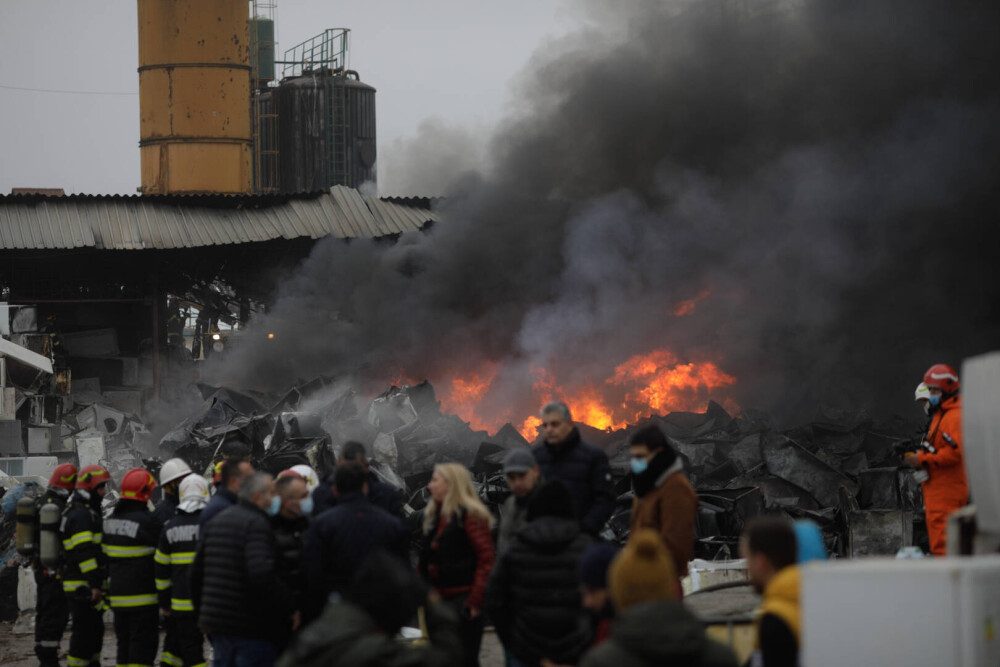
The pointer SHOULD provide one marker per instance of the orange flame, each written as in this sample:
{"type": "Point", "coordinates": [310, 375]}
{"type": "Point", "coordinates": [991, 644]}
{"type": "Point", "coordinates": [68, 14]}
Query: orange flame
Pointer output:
{"type": "Point", "coordinates": [644, 385]}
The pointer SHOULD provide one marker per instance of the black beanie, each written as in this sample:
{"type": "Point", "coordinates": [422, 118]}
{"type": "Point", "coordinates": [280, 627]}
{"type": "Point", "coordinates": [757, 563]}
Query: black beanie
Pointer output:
{"type": "Point", "coordinates": [389, 592]}
{"type": "Point", "coordinates": [553, 499]}
{"type": "Point", "coordinates": [594, 565]}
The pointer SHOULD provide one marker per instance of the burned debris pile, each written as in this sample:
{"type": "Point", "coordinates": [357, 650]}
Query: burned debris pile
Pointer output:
{"type": "Point", "coordinates": [841, 470]}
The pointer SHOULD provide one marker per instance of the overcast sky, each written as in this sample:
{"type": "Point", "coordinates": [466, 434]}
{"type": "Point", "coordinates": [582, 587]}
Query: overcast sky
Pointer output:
{"type": "Point", "coordinates": [436, 63]}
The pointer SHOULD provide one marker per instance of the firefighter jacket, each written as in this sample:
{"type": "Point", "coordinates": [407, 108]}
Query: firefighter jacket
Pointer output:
{"type": "Point", "coordinates": [58, 497]}
{"type": "Point", "coordinates": [947, 488]}
{"type": "Point", "coordinates": [130, 537]}
{"type": "Point", "coordinates": [174, 555]}
{"type": "Point", "coordinates": [81, 532]}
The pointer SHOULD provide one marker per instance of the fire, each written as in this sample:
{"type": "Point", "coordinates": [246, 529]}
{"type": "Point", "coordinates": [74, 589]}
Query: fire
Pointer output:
{"type": "Point", "coordinates": [685, 308]}
{"type": "Point", "coordinates": [646, 384]}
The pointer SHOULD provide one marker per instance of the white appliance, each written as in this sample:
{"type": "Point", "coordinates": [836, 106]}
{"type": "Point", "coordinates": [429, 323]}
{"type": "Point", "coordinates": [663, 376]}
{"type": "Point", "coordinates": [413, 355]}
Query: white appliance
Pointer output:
{"type": "Point", "coordinates": [981, 436]}
{"type": "Point", "coordinates": [911, 613]}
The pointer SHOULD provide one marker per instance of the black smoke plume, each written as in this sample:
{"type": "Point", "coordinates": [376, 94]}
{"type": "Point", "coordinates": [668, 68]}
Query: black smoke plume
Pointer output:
{"type": "Point", "coordinates": [826, 170]}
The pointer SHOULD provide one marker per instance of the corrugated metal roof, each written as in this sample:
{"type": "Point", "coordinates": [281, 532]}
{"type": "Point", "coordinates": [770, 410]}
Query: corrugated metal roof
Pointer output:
{"type": "Point", "coordinates": [136, 223]}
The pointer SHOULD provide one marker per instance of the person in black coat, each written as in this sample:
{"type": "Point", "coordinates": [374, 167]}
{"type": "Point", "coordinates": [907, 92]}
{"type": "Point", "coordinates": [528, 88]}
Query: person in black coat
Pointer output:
{"type": "Point", "coordinates": [233, 472]}
{"type": "Point", "coordinates": [240, 600]}
{"type": "Point", "coordinates": [533, 595]}
{"type": "Point", "coordinates": [581, 466]}
{"type": "Point", "coordinates": [342, 537]}
{"type": "Point", "coordinates": [380, 494]}
{"type": "Point", "coordinates": [290, 526]}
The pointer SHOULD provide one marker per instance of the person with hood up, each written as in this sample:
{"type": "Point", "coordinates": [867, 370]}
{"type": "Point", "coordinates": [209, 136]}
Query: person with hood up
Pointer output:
{"type": "Point", "coordinates": [361, 628]}
{"type": "Point", "coordinates": [664, 501]}
{"type": "Point", "coordinates": [183, 644]}
{"type": "Point", "coordinates": [533, 596]}
{"type": "Point", "coordinates": [653, 627]}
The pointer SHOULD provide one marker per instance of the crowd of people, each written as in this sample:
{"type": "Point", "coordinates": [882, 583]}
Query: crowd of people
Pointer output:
{"type": "Point", "coordinates": [294, 570]}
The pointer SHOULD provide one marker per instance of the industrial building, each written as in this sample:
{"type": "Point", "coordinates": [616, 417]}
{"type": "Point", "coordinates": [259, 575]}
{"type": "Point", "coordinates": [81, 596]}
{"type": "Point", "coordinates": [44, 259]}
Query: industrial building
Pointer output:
{"type": "Point", "coordinates": [247, 161]}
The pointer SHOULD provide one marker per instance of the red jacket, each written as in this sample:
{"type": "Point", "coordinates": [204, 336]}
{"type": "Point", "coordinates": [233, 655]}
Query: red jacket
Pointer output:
{"type": "Point", "coordinates": [457, 560]}
{"type": "Point", "coordinates": [947, 489]}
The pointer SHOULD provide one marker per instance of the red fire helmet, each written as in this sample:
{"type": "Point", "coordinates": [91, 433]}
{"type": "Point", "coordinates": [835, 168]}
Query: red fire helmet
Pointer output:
{"type": "Point", "coordinates": [92, 476]}
{"type": "Point", "coordinates": [138, 484]}
{"type": "Point", "coordinates": [63, 477]}
{"type": "Point", "coordinates": [943, 377]}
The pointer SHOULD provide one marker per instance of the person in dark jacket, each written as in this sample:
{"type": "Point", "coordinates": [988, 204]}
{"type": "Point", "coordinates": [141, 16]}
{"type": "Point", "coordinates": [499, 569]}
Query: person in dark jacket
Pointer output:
{"type": "Point", "coordinates": [343, 537]}
{"type": "Point", "coordinates": [236, 591]}
{"type": "Point", "coordinates": [533, 596]}
{"type": "Point", "coordinates": [183, 644]}
{"type": "Point", "coordinates": [380, 494]}
{"type": "Point", "coordinates": [290, 526]}
{"type": "Point", "coordinates": [457, 552]}
{"type": "Point", "coordinates": [523, 476]}
{"type": "Point", "coordinates": [653, 627]}
{"type": "Point", "coordinates": [171, 474]}
{"type": "Point", "coordinates": [84, 570]}
{"type": "Point", "coordinates": [360, 630]}
{"type": "Point", "coordinates": [770, 547]}
{"type": "Point", "coordinates": [594, 592]}
{"type": "Point", "coordinates": [232, 474]}
{"type": "Point", "coordinates": [581, 466]}
{"type": "Point", "coordinates": [51, 608]}
{"type": "Point", "coordinates": [130, 538]}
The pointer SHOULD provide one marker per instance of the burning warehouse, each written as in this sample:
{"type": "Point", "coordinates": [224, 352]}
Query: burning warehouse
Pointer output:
{"type": "Point", "coordinates": [753, 227]}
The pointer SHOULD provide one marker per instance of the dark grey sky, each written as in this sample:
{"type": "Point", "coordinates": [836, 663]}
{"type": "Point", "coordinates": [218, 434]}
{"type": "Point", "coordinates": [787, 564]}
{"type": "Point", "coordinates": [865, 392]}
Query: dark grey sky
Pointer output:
{"type": "Point", "coordinates": [436, 64]}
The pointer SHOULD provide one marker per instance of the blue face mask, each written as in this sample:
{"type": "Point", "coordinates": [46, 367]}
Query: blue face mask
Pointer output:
{"type": "Point", "coordinates": [306, 506]}
{"type": "Point", "coordinates": [638, 466]}
{"type": "Point", "coordinates": [935, 400]}
{"type": "Point", "coordinates": [275, 506]}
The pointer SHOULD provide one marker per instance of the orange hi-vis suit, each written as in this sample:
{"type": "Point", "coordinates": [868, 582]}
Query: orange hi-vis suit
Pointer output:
{"type": "Point", "coordinates": [947, 489]}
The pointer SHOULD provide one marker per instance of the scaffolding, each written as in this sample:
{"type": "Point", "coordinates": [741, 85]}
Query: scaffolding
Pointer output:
{"type": "Point", "coordinates": [264, 111]}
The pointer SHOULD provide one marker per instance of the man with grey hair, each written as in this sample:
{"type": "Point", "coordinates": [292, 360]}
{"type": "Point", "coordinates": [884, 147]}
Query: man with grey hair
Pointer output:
{"type": "Point", "coordinates": [582, 467]}
{"type": "Point", "coordinates": [240, 601]}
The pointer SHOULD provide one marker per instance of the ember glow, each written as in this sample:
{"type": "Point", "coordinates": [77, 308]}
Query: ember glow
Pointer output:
{"type": "Point", "coordinates": [649, 384]}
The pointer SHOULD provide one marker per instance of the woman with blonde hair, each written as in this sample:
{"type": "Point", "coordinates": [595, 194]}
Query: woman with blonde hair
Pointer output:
{"type": "Point", "coordinates": [457, 553]}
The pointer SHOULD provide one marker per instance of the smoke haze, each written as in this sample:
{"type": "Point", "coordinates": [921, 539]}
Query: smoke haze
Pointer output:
{"type": "Point", "coordinates": [825, 171]}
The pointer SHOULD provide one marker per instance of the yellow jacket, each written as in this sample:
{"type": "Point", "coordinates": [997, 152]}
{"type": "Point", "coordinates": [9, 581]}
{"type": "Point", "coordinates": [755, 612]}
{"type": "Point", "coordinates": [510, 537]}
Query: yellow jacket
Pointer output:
{"type": "Point", "coordinates": [781, 598]}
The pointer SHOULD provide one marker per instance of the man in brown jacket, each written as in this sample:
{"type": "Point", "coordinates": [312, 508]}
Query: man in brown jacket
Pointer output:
{"type": "Point", "coordinates": [664, 501]}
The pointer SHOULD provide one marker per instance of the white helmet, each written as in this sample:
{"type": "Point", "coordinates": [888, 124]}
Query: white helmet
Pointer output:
{"type": "Point", "coordinates": [193, 493]}
{"type": "Point", "coordinates": [308, 474]}
{"type": "Point", "coordinates": [173, 469]}
{"type": "Point", "coordinates": [923, 393]}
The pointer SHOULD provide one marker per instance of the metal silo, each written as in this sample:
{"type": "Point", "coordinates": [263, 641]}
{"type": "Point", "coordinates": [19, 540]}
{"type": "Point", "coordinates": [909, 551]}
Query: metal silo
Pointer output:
{"type": "Point", "coordinates": [194, 96]}
{"type": "Point", "coordinates": [326, 131]}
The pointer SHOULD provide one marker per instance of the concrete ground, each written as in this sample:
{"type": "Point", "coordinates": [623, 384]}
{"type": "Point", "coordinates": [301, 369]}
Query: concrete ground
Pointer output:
{"type": "Point", "coordinates": [17, 646]}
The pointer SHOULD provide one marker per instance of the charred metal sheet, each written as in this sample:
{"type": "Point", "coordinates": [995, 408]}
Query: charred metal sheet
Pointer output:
{"type": "Point", "coordinates": [879, 489]}
{"type": "Point", "coordinates": [791, 462]}
{"type": "Point", "coordinates": [878, 532]}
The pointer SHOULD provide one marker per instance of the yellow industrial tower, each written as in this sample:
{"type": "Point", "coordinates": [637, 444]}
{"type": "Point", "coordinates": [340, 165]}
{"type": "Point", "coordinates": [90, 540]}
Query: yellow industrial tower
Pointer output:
{"type": "Point", "coordinates": [194, 96]}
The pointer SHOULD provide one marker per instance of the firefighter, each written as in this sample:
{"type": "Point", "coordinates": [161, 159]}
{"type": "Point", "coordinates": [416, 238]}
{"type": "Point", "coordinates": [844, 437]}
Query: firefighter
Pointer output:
{"type": "Point", "coordinates": [52, 610]}
{"type": "Point", "coordinates": [946, 489]}
{"type": "Point", "coordinates": [171, 474]}
{"type": "Point", "coordinates": [183, 644]}
{"type": "Point", "coordinates": [130, 538]}
{"type": "Point", "coordinates": [85, 571]}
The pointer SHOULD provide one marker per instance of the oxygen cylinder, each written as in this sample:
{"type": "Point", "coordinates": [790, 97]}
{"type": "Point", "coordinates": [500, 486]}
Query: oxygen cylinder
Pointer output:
{"type": "Point", "coordinates": [49, 545]}
{"type": "Point", "coordinates": [25, 539]}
